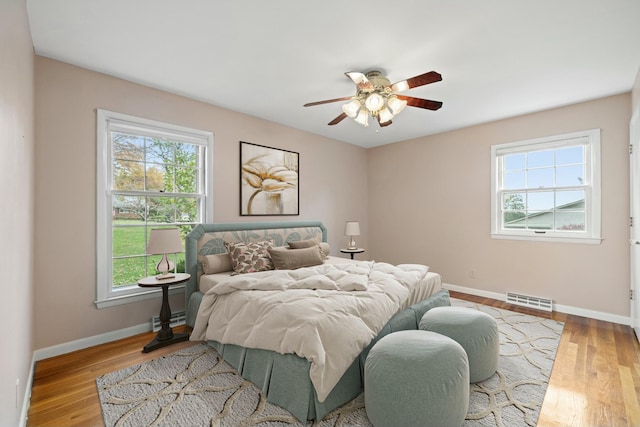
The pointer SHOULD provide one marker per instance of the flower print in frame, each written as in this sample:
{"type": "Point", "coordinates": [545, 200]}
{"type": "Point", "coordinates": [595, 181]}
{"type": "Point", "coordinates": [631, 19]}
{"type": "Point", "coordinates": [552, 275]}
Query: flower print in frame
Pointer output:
{"type": "Point", "coordinates": [268, 180]}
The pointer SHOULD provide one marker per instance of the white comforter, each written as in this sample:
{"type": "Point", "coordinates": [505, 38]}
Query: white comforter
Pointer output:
{"type": "Point", "coordinates": [327, 314]}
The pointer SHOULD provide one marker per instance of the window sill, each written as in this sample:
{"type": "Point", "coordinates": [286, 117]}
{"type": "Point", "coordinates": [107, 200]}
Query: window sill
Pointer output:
{"type": "Point", "coordinates": [137, 297]}
{"type": "Point", "coordinates": [554, 239]}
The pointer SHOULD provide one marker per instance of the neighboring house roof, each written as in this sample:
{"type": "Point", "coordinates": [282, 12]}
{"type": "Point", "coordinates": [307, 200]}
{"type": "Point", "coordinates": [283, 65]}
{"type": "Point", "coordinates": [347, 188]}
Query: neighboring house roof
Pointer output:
{"type": "Point", "coordinates": [573, 215]}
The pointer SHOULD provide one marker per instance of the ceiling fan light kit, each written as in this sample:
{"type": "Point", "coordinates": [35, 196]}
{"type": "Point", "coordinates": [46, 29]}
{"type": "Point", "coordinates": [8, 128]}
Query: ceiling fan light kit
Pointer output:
{"type": "Point", "coordinates": [376, 97]}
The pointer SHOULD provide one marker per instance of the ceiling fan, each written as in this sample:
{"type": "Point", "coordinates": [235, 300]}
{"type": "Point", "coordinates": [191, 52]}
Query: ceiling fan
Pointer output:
{"type": "Point", "coordinates": [376, 97]}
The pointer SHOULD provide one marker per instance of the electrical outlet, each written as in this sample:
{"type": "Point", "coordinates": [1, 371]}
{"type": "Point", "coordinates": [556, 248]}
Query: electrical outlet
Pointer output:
{"type": "Point", "coordinates": [472, 274]}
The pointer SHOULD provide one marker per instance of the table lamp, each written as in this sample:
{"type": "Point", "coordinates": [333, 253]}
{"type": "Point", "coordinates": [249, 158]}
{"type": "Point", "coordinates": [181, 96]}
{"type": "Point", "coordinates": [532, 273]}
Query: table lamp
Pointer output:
{"type": "Point", "coordinates": [163, 241]}
{"type": "Point", "coordinates": [352, 228]}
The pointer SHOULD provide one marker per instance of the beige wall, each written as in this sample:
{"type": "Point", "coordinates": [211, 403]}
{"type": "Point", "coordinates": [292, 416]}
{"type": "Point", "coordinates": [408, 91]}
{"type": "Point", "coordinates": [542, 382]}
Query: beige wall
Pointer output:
{"type": "Point", "coordinates": [16, 205]}
{"type": "Point", "coordinates": [332, 187]}
{"type": "Point", "coordinates": [429, 202]}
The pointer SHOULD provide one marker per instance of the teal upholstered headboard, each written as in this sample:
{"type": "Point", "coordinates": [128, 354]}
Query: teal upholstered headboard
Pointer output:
{"type": "Point", "coordinates": [207, 239]}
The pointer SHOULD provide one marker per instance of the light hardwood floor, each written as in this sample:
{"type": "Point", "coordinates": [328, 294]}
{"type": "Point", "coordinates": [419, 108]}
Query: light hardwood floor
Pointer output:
{"type": "Point", "coordinates": [595, 379]}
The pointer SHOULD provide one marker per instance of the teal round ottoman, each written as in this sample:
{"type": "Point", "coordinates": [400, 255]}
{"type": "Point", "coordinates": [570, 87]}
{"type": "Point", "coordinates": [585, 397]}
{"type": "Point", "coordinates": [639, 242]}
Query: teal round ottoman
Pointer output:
{"type": "Point", "coordinates": [416, 378]}
{"type": "Point", "coordinates": [475, 331]}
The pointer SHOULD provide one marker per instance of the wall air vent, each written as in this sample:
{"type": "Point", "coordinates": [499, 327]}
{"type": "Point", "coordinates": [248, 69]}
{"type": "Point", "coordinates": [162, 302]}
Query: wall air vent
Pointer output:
{"type": "Point", "coordinates": [177, 318]}
{"type": "Point", "coordinates": [529, 301]}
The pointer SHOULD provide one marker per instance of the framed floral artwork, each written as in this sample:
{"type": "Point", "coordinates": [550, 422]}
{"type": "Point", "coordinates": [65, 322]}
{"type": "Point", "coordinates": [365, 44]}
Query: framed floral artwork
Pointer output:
{"type": "Point", "coordinates": [268, 181]}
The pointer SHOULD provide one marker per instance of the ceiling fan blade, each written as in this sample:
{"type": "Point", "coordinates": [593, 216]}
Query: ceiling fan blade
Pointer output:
{"type": "Point", "coordinates": [326, 101]}
{"type": "Point", "coordinates": [421, 80]}
{"type": "Point", "coordinates": [359, 79]}
{"type": "Point", "coordinates": [421, 103]}
{"type": "Point", "coordinates": [338, 119]}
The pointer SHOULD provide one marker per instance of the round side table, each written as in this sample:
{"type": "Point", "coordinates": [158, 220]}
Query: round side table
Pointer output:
{"type": "Point", "coordinates": [352, 252]}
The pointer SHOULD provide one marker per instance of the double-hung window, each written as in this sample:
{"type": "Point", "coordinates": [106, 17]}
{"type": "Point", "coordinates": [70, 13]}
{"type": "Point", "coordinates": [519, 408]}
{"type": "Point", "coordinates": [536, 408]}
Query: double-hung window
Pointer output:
{"type": "Point", "coordinates": [149, 175]}
{"type": "Point", "coordinates": [547, 188]}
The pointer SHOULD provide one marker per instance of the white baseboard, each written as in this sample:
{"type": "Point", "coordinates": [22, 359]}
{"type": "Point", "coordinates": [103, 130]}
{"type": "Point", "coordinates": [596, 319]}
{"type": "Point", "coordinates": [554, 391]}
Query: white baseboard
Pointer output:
{"type": "Point", "coordinates": [68, 347]}
{"type": "Point", "coordinates": [599, 315]}
{"type": "Point", "coordinates": [26, 401]}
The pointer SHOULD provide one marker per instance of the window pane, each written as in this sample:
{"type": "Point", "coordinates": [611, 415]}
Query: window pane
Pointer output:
{"type": "Point", "coordinates": [127, 147]}
{"type": "Point", "coordinates": [187, 210]}
{"type": "Point", "coordinates": [128, 175]}
{"type": "Point", "coordinates": [570, 200]}
{"type": "Point", "coordinates": [161, 210]}
{"type": "Point", "coordinates": [538, 159]}
{"type": "Point", "coordinates": [169, 179]}
{"type": "Point", "coordinates": [540, 220]}
{"type": "Point", "coordinates": [186, 180]}
{"type": "Point", "coordinates": [570, 221]}
{"type": "Point", "coordinates": [514, 161]}
{"type": "Point", "coordinates": [513, 180]}
{"type": "Point", "coordinates": [540, 201]}
{"type": "Point", "coordinates": [160, 151]}
{"type": "Point", "coordinates": [129, 208]}
{"type": "Point", "coordinates": [513, 201]}
{"type": "Point", "coordinates": [129, 241]}
{"type": "Point", "coordinates": [514, 219]}
{"type": "Point", "coordinates": [127, 271]}
{"type": "Point", "coordinates": [570, 155]}
{"type": "Point", "coordinates": [540, 178]}
{"type": "Point", "coordinates": [155, 178]}
{"type": "Point", "coordinates": [569, 175]}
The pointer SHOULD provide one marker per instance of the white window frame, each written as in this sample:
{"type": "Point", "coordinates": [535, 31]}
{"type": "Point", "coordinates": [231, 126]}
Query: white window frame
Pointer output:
{"type": "Point", "coordinates": [107, 121]}
{"type": "Point", "coordinates": [591, 140]}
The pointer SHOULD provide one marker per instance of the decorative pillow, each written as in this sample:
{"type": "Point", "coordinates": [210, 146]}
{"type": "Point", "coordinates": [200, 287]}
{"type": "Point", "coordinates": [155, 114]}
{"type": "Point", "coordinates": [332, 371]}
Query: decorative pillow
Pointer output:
{"type": "Point", "coordinates": [217, 263]}
{"type": "Point", "coordinates": [301, 244]}
{"type": "Point", "coordinates": [290, 259]}
{"type": "Point", "coordinates": [249, 257]}
{"type": "Point", "coordinates": [324, 246]}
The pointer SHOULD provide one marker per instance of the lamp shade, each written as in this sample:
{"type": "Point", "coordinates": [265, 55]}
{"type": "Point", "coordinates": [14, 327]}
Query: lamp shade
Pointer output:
{"type": "Point", "coordinates": [351, 108]}
{"type": "Point", "coordinates": [396, 105]}
{"type": "Point", "coordinates": [352, 228]}
{"type": "Point", "coordinates": [164, 241]}
{"type": "Point", "coordinates": [362, 118]}
{"type": "Point", "coordinates": [385, 115]}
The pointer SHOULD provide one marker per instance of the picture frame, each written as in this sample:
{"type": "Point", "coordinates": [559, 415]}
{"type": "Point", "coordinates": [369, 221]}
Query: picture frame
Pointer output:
{"type": "Point", "coordinates": [268, 181]}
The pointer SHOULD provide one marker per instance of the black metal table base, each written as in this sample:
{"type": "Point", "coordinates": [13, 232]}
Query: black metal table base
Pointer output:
{"type": "Point", "coordinates": [158, 343]}
{"type": "Point", "coordinates": [165, 334]}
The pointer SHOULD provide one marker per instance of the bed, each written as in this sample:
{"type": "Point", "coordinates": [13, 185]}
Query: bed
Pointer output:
{"type": "Point", "coordinates": [287, 379]}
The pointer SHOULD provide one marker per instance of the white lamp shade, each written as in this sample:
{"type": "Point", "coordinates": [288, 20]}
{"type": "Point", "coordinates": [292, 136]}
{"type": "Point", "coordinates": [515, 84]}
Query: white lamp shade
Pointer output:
{"type": "Point", "coordinates": [396, 105]}
{"type": "Point", "coordinates": [352, 228]}
{"type": "Point", "coordinates": [164, 241]}
{"type": "Point", "coordinates": [351, 108]}
{"type": "Point", "coordinates": [385, 115]}
{"type": "Point", "coordinates": [362, 118]}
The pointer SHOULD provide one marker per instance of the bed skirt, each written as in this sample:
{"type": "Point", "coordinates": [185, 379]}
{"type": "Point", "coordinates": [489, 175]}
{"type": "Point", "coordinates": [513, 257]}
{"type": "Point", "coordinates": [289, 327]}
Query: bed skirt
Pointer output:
{"type": "Point", "coordinates": [284, 378]}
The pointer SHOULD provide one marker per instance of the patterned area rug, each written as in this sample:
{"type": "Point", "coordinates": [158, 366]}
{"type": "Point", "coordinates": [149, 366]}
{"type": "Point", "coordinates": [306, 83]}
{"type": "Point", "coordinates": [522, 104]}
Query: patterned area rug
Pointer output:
{"type": "Point", "coordinates": [195, 387]}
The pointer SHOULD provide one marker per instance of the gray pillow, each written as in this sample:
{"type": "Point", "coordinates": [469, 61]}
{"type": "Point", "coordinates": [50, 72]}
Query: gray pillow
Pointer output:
{"type": "Point", "coordinates": [300, 244]}
{"type": "Point", "coordinates": [289, 259]}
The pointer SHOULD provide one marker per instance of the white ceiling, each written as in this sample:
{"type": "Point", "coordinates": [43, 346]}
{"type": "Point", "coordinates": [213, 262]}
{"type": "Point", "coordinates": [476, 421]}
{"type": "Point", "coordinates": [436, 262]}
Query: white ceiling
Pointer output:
{"type": "Point", "coordinates": [498, 58]}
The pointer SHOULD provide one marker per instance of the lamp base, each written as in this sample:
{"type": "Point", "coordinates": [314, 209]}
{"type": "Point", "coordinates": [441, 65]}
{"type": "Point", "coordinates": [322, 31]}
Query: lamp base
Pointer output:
{"type": "Point", "coordinates": [352, 244]}
{"type": "Point", "coordinates": [164, 266]}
